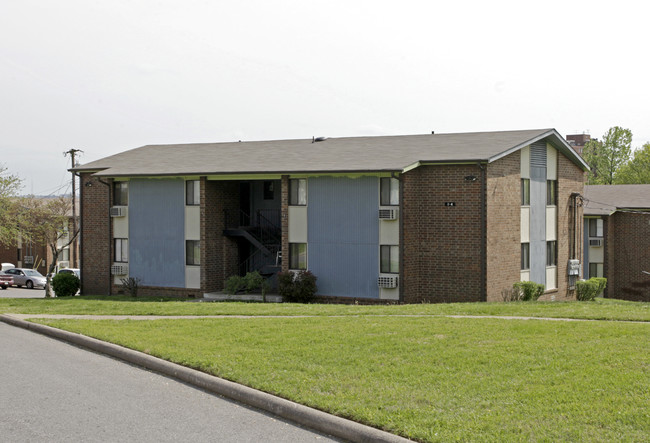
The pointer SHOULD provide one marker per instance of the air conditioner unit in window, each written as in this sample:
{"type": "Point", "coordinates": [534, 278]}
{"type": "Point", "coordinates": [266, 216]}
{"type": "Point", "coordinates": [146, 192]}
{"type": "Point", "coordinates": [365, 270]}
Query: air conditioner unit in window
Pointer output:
{"type": "Point", "coordinates": [388, 214]}
{"type": "Point", "coordinates": [64, 264]}
{"type": "Point", "coordinates": [120, 269]}
{"type": "Point", "coordinates": [595, 242]}
{"type": "Point", "coordinates": [119, 211]}
{"type": "Point", "coordinates": [387, 281]}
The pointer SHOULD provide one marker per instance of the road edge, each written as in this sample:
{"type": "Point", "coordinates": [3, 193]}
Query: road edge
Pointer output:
{"type": "Point", "coordinates": [297, 413]}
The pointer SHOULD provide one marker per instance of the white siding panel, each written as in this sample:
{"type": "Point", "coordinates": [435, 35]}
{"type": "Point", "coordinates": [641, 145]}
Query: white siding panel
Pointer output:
{"type": "Point", "coordinates": [525, 225]}
{"type": "Point", "coordinates": [192, 277]}
{"type": "Point", "coordinates": [551, 223]}
{"type": "Point", "coordinates": [525, 162]}
{"type": "Point", "coordinates": [120, 227]}
{"type": "Point", "coordinates": [551, 277]}
{"type": "Point", "coordinates": [389, 293]}
{"type": "Point", "coordinates": [551, 162]}
{"type": "Point", "coordinates": [596, 255]}
{"type": "Point", "coordinates": [297, 224]}
{"type": "Point", "coordinates": [525, 275]}
{"type": "Point", "coordinates": [192, 223]}
{"type": "Point", "coordinates": [389, 232]}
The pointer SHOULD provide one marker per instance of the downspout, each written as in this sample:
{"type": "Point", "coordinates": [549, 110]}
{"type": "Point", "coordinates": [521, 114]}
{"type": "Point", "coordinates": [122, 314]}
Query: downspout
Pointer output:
{"type": "Point", "coordinates": [400, 284]}
{"type": "Point", "coordinates": [110, 243]}
{"type": "Point", "coordinates": [483, 231]}
{"type": "Point", "coordinates": [79, 240]}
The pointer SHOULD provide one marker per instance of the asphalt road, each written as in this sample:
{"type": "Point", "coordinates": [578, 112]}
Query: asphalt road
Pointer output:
{"type": "Point", "coordinates": [13, 292]}
{"type": "Point", "coordinates": [52, 391]}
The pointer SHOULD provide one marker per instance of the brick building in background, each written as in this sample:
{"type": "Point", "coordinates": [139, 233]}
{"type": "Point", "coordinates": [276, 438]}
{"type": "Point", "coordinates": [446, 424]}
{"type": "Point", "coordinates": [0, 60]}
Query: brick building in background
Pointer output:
{"type": "Point", "coordinates": [617, 239]}
{"type": "Point", "coordinates": [578, 141]}
{"type": "Point", "coordinates": [422, 218]}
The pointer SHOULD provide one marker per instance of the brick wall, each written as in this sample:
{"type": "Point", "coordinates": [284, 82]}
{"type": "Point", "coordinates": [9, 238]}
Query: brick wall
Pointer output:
{"type": "Point", "coordinates": [95, 236]}
{"type": "Point", "coordinates": [570, 179]}
{"type": "Point", "coordinates": [442, 245]}
{"type": "Point", "coordinates": [503, 225]}
{"type": "Point", "coordinates": [219, 254]}
{"type": "Point", "coordinates": [629, 235]}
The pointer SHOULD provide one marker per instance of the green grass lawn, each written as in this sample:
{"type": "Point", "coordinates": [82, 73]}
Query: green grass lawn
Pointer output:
{"type": "Point", "coordinates": [598, 309]}
{"type": "Point", "coordinates": [426, 378]}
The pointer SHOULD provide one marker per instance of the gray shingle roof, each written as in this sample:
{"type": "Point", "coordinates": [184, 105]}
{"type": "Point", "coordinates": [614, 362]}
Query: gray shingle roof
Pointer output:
{"type": "Point", "coordinates": [607, 199]}
{"type": "Point", "coordinates": [347, 154]}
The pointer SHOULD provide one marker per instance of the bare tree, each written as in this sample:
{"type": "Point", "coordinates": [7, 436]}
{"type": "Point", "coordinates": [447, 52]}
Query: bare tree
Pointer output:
{"type": "Point", "coordinates": [47, 221]}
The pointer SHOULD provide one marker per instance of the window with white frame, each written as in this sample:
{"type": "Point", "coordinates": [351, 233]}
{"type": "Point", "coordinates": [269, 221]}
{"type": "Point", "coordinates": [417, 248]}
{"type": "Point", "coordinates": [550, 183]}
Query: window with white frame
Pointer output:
{"type": "Point", "coordinates": [551, 192]}
{"type": "Point", "coordinates": [298, 256]}
{"type": "Point", "coordinates": [192, 252]}
{"type": "Point", "coordinates": [525, 192]}
{"type": "Point", "coordinates": [121, 250]}
{"type": "Point", "coordinates": [298, 191]}
{"type": "Point", "coordinates": [389, 259]}
{"type": "Point", "coordinates": [121, 193]}
{"type": "Point", "coordinates": [388, 191]}
{"type": "Point", "coordinates": [551, 253]}
{"type": "Point", "coordinates": [192, 192]}
{"type": "Point", "coordinates": [525, 256]}
{"type": "Point", "coordinates": [595, 227]}
{"type": "Point", "coordinates": [64, 255]}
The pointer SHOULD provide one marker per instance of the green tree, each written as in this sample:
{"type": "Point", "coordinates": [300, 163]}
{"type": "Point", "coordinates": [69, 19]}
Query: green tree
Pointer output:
{"type": "Point", "coordinates": [606, 157]}
{"type": "Point", "coordinates": [637, 170]}
{"type": "Point", "coordinates": [9, 186]}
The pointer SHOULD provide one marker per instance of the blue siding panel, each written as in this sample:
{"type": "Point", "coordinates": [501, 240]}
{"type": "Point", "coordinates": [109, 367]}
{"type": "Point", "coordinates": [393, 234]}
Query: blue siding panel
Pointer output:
{"type": "Point", "coordinates": [343, 235]}
{"type": "Point", "coordinates": [157, 232]}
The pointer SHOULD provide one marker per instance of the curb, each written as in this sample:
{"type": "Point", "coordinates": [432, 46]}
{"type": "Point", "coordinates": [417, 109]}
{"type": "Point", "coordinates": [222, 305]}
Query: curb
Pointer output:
{"type": "Point", "coordinates": [308, 417]}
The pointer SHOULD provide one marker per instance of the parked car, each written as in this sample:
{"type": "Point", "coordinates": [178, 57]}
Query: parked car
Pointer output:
{"type": "Point", "coordinates": [74, 271]}
{"type": "Point", "coordinates": [6, 280]}
{"type": "Point", "coordinates": [30, 278]}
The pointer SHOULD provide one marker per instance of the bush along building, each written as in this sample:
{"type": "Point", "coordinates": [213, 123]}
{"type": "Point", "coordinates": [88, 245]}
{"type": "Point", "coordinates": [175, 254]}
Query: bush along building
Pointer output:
{"type": "Point", "coordinates": [420, 218]}
{"type": "Point", "coordinates": [617, 239]}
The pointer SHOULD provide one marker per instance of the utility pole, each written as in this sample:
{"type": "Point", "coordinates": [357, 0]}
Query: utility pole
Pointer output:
{"type": "Point", "coordinates": [73, 246]}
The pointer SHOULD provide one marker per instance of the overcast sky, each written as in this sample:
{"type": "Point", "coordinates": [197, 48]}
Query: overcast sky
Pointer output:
{"type": "Point", "coordinates": [107, 76]}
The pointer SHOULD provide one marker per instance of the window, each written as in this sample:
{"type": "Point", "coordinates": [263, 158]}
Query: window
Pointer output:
{"type": "Point", "coordinates": [192, 252]}
{"type": "Point", "coordinates": [268, 190]}
{"type": "Point", "coordinates": [18, 254]}
{"type": "Point", "coordinates": [388, 191]}
{"type": "Point", "coordinates": [551, 253]}
{"type": "Point", "coordinates": [122, 250]}
{"type": "Point", "coordinates": [525, 256]}
{"type": "Point", "coordinates": [595, 227]}
{"type": "Point", "coordinates": [389, 259]}
{"type": "Point", "coordinates": [595, 270]}
{"type": "Point", "coordinates": [298, 192]}
{"type": "Point", "coordinates": [297, 255]}
{"type": "Point", "coordinates": [525, 191]}
{"type": "Point", "coordinates": [121, 193]}
{"type": "Point", "coordinates": [551, 192]}
{"type": "Point", "coordinates": [192, 192]}
{"type": "Point", "coordinates": [64, 255]}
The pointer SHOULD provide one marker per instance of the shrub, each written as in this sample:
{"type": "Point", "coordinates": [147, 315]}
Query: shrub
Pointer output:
{"type": "Point", "coordinates": [130, 285]}
{"type": "Point", "coordinates": [253, 281]}
{"type": "Point", "coordinates": [299, 287]}
{"type": "Point", "coordinates": [234, 284]}
{"type": "Point", "coordinates": [587, 290]}
{"type": "Point", "coordinates": [65, 285]}
{"type": "Point", "coordinates": [527, 290]}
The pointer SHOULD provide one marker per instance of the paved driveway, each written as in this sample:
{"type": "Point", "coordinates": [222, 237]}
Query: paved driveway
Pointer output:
{"type": "Point", "coordinates": [52, 391]}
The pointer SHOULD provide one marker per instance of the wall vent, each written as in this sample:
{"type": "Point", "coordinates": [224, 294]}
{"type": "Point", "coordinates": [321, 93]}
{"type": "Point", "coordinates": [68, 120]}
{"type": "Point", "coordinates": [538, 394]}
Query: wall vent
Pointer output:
{"type": "Point", "coordinates": [118, 211]}
{"type": "Point", "coordinates": [595, 242]}
{"type": "Point", "coordinates": [388, 214]}
{"type": "Point", "coordinates": [120, 269]}
{"type": "Point", "coordinates": [538, 154]}
{"type": "Point", "coordinates": [387, 281]}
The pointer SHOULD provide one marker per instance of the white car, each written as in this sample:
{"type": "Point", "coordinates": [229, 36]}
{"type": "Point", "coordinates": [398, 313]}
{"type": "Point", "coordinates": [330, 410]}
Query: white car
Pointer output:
{"type": "Point", "coordinates": [30, 278]}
